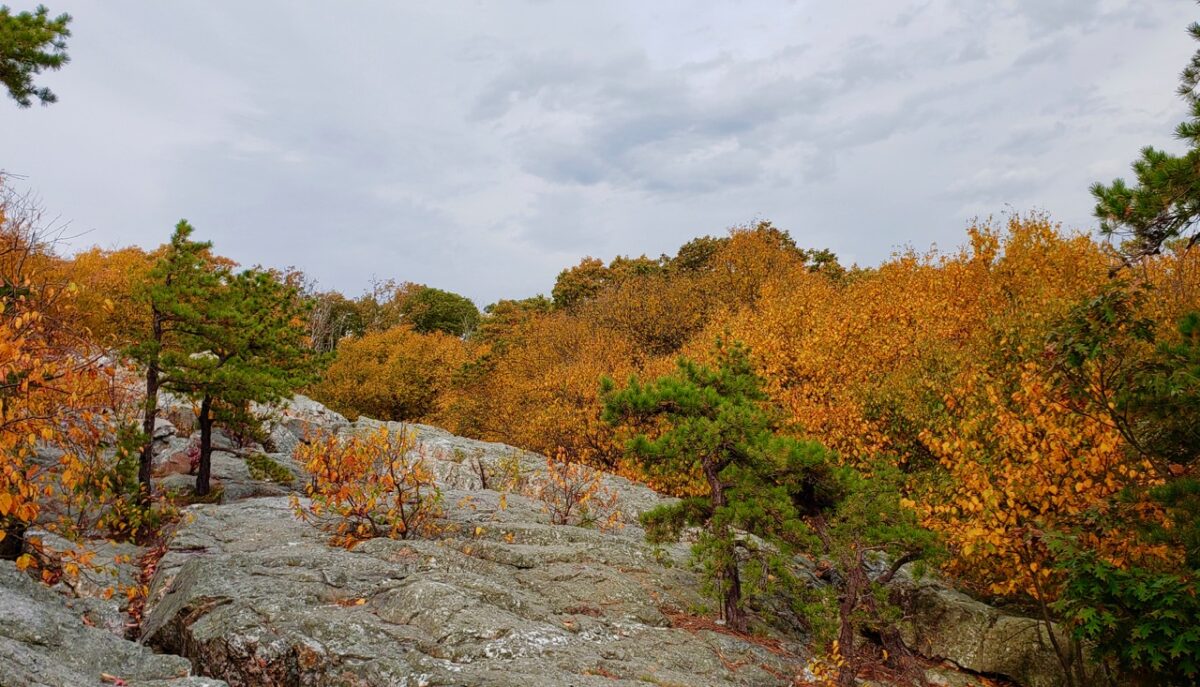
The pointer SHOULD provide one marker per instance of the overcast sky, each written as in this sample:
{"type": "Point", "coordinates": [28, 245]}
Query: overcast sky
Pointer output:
{"type": "Point", "coordinates": [481, 147]}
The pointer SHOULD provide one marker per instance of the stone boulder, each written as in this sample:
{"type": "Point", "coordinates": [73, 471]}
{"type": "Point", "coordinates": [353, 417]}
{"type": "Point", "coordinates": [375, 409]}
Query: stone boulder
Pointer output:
{"type": "Point", "coordinates": [43, 643]}
{"type": "Point", "coordinates": [946, 624]}
{"type": "Point", "coordinates": [503, 598]}
{"type": "Point", "coordinates": [302, 416]}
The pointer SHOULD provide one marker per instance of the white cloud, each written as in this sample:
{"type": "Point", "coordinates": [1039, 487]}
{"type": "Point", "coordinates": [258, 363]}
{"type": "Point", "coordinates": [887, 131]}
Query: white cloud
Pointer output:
{"type": "Point", "coordinates": [481, 148]}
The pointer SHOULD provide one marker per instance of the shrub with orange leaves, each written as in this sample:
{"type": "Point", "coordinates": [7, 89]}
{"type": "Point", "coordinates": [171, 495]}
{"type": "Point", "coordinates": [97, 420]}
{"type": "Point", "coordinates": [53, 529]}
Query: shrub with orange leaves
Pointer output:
{"type": "Point", "coordinates": [542, 392]}
{"type": "Point", "coordinates": [377, 485]}
{"type": "Point", "coordinates": [54, 387]}
{"type": "Point", "coordinates": [574, 494]}
{"type": "Point", "coordinates": [106, 306]}
{"type": "Point", "coordinates": [1018, 463]}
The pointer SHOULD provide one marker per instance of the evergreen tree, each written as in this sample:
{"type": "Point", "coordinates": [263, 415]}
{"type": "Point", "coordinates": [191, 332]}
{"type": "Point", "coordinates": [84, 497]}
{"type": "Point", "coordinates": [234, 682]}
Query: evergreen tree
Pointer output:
{"type": "Point", "coordinates": [249, 347]}
{"type": "Point", "coordinates": [1164, 203]}
{"type": "Point", "coordinates": [715, 421]}
{"type": "Point", "coordinates": [433, 310]}
{"type": "Point", "coordinates": [178, 293]}
{"type": "Point", "coordinates": [29, 43]}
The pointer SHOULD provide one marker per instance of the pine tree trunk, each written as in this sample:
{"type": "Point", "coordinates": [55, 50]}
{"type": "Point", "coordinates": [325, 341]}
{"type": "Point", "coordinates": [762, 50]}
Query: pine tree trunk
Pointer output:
{"type": "Point", "coordinates": [731, 587]}
{"type": "Point", "coordinates": [856, 584]}
{"type": "Point", "coordinates": [150, 415]}
{"type": "Point", "coordinates": [146, 460]}
{"type": "Point", "coordinates": [203, 485]}
{"type": "Point", "coordinates": [730, 583]}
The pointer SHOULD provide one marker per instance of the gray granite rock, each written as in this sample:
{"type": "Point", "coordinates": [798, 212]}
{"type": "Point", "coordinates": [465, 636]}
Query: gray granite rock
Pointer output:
{"type": "Point", "coordinates": [946, 624]}
{"type": "Point", "coordinates": [43, 643]}
{"type": "Point", "coordinates": [504, 598]}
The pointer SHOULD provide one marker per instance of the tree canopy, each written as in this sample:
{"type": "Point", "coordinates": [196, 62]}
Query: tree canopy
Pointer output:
{"type": "Point", "coordinates": [31, 42]}
{"type": "Point", "coordinates": [428, 309]}
{"type": "Point", "coordinates": [1163, 203]}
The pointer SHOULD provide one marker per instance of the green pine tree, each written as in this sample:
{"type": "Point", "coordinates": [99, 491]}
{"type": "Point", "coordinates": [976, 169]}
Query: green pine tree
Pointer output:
{"type": "Point", "coordinates": [1164, 203]}
{"type": "Point", "coordinates": [178, 293]}
{"type": "Point", "coordinates": [31, 42]}
{"type": "Point", "coordinates": [250, 347]}
{"type": "Point", "coordinates": [715, 421]}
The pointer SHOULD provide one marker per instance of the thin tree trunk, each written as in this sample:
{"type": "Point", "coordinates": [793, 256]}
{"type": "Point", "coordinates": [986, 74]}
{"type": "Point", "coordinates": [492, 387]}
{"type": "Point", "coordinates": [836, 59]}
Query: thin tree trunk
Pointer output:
{"type": "Point", "coordinates": [203, 485]}
{"type": "Point", "coordinates": [150, 415]}
{"type": "Point", "coordinates": [730, 583]}
{"type": "Point", "coordinates": [856, 584]}
{"type": "Point", "coordinates": [146, 460]}
{"type": "Point", "coordinates": [1064, 655]}
{"type": "Point", "coordinates": [731, 588]}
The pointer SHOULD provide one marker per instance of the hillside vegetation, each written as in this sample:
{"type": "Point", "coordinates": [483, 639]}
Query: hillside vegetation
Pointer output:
{"type": "Point", "coordinates": [1021, 412]}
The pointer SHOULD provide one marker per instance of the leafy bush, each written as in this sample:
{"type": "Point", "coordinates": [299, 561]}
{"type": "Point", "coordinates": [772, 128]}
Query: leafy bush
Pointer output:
{"type": "Point", "coordinates": [430, 310]}
{"type": "Point", "coordinates": [398, 374]}
{"type": "Point", "coordinates": [377, 485]}
{"type": "Point", "coordinates": [574, 494]}
{"type": "Point", "coordinates": [1146, 622]}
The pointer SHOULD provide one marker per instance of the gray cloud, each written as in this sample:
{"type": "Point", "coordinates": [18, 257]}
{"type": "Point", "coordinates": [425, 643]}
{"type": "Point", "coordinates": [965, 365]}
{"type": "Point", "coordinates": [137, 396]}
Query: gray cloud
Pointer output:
{"type": "Point", "coordinates": [482, 148]}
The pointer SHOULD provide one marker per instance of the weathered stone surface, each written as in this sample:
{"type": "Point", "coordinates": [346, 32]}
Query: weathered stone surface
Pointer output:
{"type": "Point", "coordinates": [301, 416]}
{"type": "Point", "coordinates": [230, 470]}
{"type": "Point", "coordinates": [44, 644]}
{"type": "Point", "coordinates": [95, 592]}
{"type": "Point", "coordinates": [950, 625]}
{"type": "Point", "coordinates": [163, 429]}
{"type": "Point", "coordinates": [259, 598]}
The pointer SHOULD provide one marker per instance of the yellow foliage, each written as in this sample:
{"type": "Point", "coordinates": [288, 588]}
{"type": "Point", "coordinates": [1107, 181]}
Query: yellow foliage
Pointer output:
{"type": "Point", "coordinates": [936, 361]}
{"type": "Point", "coordinates": [55, 394]}
{"type": "Point", "coordinates": [378, 485]}
{"type": "Point", "coordinates": [398, 374]}
{"type": "Point", "coordinates": [543, 393]}
{"type": "Point", "coordinates": [107, 280]}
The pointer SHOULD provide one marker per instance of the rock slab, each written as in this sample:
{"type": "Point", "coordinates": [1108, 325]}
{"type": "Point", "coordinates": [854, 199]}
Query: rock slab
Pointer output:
{"type": "Point", "coordinates": [503, 598]}
{"type": "Point", "coordinates": [44, 643]}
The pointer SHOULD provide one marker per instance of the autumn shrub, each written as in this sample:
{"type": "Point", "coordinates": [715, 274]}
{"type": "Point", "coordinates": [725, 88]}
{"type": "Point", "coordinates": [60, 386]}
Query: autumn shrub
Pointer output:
{"type": "Point", "coordinates": [375, 485]}
{"type": "Point", "coordinates": [107, 280]}
{"type": "Point", "coordinates": [56, 399]}
{"type": "Point", "coordinates": [656, 312]}
{"type": "Point", "coordinates": [398, 374]}
{"type": "Point", "coordinates": [574, 494]}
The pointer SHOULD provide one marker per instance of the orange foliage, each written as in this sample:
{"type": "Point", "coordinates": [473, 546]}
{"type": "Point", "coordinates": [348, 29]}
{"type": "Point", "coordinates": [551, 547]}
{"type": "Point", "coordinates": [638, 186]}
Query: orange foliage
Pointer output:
{"type": "Point", "coordinates": [107, 306]}
{"type": "Point", "coordinates": [398, 374]}
{"type": "Point", "coordinates": [1019, 463]}
{"type": "Point", "coordinates": [574, 494]}
{"type": "Point", "coordinates": [861, 362]}
{"type": "Point", "coordinates": [543, 393]}
{"type": "Point", "coordinates": [378, 485]}
{"type": "Point", "coordinates": [935, 361]}
{"type": "Point", "coordinates": [56, 396]}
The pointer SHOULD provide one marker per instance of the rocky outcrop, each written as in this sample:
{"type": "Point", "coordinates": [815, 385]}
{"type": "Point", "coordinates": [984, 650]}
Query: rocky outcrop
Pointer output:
{"type": "Point", "coordinates": [256, 597]}
{"type": "Point", "coordinates": [947, 624]}
{"type": "Point", "coordinates": [248, 594]}
{"type": "Point", "coordinates": [44, 643]}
